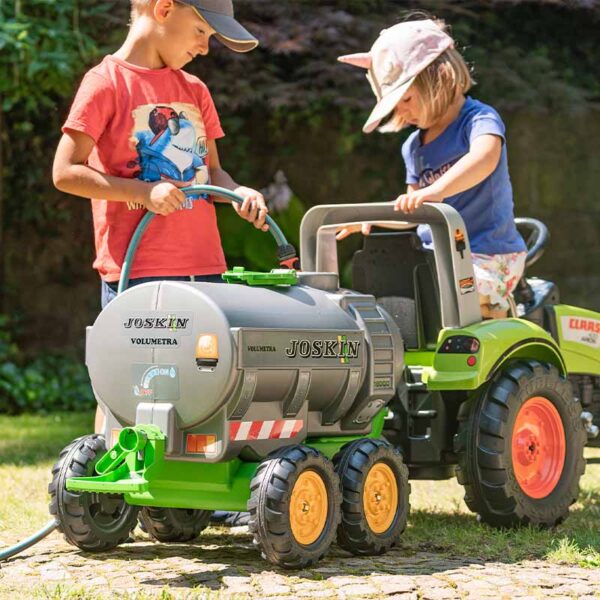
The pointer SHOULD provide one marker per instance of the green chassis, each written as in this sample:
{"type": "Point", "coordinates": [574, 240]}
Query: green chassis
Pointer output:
{"type": "Point", "coordinates": [136, 466]}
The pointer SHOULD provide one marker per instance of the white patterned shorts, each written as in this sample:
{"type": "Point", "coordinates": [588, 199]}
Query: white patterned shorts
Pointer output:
{"type": "Point", "coordinates": [497, 275]}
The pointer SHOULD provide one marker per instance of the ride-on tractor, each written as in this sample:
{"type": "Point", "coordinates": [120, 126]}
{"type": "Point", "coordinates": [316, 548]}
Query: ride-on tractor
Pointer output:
{"type": "Point", "coordinates": [309, 405]}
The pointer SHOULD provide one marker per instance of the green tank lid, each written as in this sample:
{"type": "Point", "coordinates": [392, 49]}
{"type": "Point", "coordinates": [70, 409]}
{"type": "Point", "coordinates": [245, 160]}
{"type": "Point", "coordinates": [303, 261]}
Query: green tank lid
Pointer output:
{"type": "Point", "coordinates": [274, 277]}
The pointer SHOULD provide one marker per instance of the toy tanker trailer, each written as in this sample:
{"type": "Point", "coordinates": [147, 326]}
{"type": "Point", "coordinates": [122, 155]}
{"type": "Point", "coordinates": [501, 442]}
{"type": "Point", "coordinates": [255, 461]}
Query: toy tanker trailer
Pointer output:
{"type": "Point", "coordinates": [266, 394]}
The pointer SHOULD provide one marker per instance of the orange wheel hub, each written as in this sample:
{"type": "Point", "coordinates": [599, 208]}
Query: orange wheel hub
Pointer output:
{"type": "Point", "coordinates": [538, 447]}
{"type": "Point", "coordinates": [308, 508]}
{"type": "Point", "coordinates": [380, 497]}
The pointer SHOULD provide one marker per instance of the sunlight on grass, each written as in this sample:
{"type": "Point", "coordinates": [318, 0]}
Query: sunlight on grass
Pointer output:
{"type": "Point", "coordinates": [568, 551]}
{"type": "Point", "coordinates": [29, 439]}
{"type": "Point", "coordinates": [29, 446]}
{"type": "Point", "coordinates": [441, 522]}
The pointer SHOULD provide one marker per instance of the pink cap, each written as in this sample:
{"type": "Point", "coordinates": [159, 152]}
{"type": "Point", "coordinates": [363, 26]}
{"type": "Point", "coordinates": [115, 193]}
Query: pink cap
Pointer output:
{"type": "Point", "coordinates": [396, 58]}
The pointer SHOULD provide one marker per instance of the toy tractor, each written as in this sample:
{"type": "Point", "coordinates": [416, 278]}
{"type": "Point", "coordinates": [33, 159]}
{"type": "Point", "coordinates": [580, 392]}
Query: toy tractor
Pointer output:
{"type": "Point", "coordinates": [308, 404]}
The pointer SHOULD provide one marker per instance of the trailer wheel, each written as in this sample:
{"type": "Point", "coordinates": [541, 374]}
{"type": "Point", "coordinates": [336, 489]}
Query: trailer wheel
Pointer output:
{"type": "Point", "coordinates": [375, 496]}
{"type": "Point", "coordinates": [294, 506]}
{"type": "Point", "coordinates": [90, 521]}
{"type": "Point", "coordinates": [174, 524]}
{"type": "Point", "coordinates": [520, 447]}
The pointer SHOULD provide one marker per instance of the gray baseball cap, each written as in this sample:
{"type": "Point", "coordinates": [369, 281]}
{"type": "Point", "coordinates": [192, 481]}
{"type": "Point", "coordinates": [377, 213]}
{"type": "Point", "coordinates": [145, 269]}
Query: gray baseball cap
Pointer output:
{"type": "Point", "coordinates": [219, 15]}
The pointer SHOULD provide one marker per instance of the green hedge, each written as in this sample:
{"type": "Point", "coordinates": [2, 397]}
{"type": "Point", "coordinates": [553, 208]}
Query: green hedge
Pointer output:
{"type": "Point", "coordinates": [46, 384]}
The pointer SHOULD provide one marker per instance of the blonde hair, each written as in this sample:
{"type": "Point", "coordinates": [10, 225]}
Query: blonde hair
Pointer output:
{"type": "Point", "coordinates": [438, 85]}
{"type": "Point", "coordinates": [137, 6]}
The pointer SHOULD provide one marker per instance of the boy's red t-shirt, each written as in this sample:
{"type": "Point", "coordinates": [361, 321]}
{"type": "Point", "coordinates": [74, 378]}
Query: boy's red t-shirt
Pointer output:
{"type": "Point", "coordinates": [150, 124]}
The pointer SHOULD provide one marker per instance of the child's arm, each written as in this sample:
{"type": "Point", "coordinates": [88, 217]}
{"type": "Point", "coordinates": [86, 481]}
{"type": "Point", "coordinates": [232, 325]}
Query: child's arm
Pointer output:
{"type": "Point", "coordinates": [72, 175]}
{"type": "Point", "coordinates": [480, 162]}
{"type": "Point", "coordinates": [254, 208]}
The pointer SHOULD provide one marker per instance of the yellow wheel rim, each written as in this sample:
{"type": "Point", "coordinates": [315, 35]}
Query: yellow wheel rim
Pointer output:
{"type": "Point", "coordinates": [308, 508]}
{"type": "Point", "coordinates": [380, 497]}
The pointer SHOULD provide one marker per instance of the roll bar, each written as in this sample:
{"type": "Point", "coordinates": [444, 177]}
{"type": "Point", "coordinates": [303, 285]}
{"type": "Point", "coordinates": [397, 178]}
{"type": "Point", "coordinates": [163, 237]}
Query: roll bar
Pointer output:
{"type": "Point", "coordinates": [459, 300]}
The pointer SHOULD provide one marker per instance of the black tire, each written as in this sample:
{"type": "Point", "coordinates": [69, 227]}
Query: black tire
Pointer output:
{"type": "Point", "coordinates": [174, 524]}
{"type": "Point", "coordinates": [269, 506]}
{"type": "Point", "coordinates": [484, 447]}
{"type": "Point", "coordinates": [90, 521]}
{"type": "Point", "coordinates": [353, 464]}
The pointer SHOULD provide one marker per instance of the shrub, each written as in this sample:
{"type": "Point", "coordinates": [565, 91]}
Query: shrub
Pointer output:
{"type": "Point", "coordinates": [45, 384]}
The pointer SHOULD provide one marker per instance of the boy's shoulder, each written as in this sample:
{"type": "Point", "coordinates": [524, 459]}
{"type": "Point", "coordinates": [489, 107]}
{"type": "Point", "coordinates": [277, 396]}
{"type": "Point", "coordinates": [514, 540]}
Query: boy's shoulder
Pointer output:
{"type": "Point", "coordinates": [110, 65]}
{"type": "Point", "coordinates": [192, 80]}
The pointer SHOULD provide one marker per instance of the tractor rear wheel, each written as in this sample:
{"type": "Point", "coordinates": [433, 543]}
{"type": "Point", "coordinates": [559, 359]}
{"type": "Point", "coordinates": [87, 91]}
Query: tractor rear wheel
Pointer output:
{"type": "Point", "coordinates": [174, 524]}
{"type": "Point", "coordinates": [294, 506]}
{"type": "Point", "coordinates": [520, 447]}
{"type": "Point", "coordinates": [375, 496]}
{"type": "Point", "coordinates": [90, 521]}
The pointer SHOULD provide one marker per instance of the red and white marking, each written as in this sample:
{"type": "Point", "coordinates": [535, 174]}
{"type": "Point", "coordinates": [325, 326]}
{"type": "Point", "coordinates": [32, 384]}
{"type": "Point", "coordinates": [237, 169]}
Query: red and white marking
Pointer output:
{"type": "Point", "coordinates": [264, 430]}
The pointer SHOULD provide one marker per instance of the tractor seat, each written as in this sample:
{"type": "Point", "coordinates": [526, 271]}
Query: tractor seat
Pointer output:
{"type": "Point", "coordinates": [396, 269]}
{"type": "Point", "coordinates": [532, 295]}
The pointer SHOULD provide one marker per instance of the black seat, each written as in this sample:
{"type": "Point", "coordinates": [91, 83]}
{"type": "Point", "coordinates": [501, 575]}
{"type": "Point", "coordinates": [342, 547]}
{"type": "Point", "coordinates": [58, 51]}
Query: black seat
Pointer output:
{"type": "Point", "coordinates": [400, 273]}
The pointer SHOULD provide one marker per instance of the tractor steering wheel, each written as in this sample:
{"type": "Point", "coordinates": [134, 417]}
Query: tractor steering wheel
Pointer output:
{"type": "Point", "coordinates": [536, 236]}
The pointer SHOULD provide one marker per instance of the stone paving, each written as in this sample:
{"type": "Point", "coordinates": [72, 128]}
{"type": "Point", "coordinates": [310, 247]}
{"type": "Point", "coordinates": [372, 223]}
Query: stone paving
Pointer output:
{"type": "Point", "coordinates": [223, 564]}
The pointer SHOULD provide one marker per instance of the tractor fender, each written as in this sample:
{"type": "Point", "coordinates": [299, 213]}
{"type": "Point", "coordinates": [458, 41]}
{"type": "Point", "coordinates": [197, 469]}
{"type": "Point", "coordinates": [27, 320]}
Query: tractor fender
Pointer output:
{"type": "Point", "coordinates": [500, 341]}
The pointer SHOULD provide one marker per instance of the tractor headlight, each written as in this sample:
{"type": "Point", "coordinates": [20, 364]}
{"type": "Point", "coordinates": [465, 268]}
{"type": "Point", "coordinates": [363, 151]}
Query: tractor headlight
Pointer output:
{"type": "Point", "coordinates": [460, 344]}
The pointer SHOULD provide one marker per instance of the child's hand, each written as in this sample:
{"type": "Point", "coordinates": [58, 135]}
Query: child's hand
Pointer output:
{"type": "Point", "coordinates": [164, 197]}
{"type": "Point", "coordinates": [365, 228]}
{"type": "Point", "coordinates": [410, 201]}
{"type": "Point", "coordinates": [254, 208]}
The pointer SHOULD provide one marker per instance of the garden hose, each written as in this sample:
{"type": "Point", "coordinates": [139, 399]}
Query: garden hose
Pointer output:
{"type": "Point", "coordinates": [30, 541]}
{"type": "Point", "coordinates": [286, 253]}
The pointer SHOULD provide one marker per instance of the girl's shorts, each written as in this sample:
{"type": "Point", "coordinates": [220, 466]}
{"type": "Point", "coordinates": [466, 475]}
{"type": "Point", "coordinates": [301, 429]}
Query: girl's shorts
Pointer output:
{"type": "Point", "coordinates": [497, 276]}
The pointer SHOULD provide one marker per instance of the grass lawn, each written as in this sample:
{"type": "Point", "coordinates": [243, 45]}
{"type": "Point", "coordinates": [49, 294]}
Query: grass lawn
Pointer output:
{"type": "Point", "coordinates": [439, 522]}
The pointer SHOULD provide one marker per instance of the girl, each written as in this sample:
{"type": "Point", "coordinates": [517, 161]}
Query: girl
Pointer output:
{"type": "Point", "coordinates": [457, 154]}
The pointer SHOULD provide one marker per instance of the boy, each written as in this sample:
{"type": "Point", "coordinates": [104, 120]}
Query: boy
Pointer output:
{"type": "Point", "coordinates": [140, 129]}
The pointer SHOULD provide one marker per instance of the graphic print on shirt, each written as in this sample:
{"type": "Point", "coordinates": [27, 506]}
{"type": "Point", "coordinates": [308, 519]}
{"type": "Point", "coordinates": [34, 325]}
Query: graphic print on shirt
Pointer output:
{"type": "Point", "coordinates": [429, 176]}
{"type": "Point", "coordinates": [171, 144]}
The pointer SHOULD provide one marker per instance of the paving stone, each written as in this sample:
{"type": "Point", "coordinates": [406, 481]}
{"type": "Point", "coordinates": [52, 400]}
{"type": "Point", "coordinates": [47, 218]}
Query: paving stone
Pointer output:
{"type": "Point", "coordinates": [394, 584]}
{"type": "Point", "coordinates": [274, 589]}
{"type": "Point", "coordinates": [122, 582]}
{"type": "Point", "coordinates": [439, 594]}
{"type": "Point", "coordinates": [308, 585]}
{"type": "Point", "coordinates": [359, 589]}
{"type": "Point", "coordinates": [341, 581]}
{"type": "Point", "coordinates": [575, 588]}
{"type": "Point", "coordinates": [238, 585]}
{"type": "Point", "coordinates": [98, 581]}
{"type": "Point", "coordinates": [55, 575]}
{"type": "Point", "coordinates": [315, 593]}
{"type": "Point", "coordinates": [498, 580]}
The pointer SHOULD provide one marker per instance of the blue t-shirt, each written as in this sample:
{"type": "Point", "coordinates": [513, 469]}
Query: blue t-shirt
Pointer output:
{"type": "Point", "coordinates": [486, 208]}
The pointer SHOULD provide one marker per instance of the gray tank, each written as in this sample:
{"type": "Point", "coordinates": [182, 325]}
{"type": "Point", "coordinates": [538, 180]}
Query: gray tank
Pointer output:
{"type": "Point", "coordinates": [227, 370]}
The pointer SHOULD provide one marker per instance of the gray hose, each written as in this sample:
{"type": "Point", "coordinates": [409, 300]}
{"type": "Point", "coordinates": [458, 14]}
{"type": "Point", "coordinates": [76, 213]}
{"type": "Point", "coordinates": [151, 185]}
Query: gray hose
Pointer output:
{"type": "Point", "coordinates": [30, 541]}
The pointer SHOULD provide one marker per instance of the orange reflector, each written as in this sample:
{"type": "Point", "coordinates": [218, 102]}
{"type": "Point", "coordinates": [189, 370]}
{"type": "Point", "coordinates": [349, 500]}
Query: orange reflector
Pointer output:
{"type": "Point", "coordinates": [200, 443]}
{"type": "Point", "coordinates": [207, 347]}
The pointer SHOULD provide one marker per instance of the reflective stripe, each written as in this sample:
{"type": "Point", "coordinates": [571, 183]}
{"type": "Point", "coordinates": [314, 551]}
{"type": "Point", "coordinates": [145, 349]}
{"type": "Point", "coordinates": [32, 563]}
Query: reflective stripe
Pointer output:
{"type": "Point", "coordinates": [287, 430]}
{"type": "Point", "coordinates": [243, 431]}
